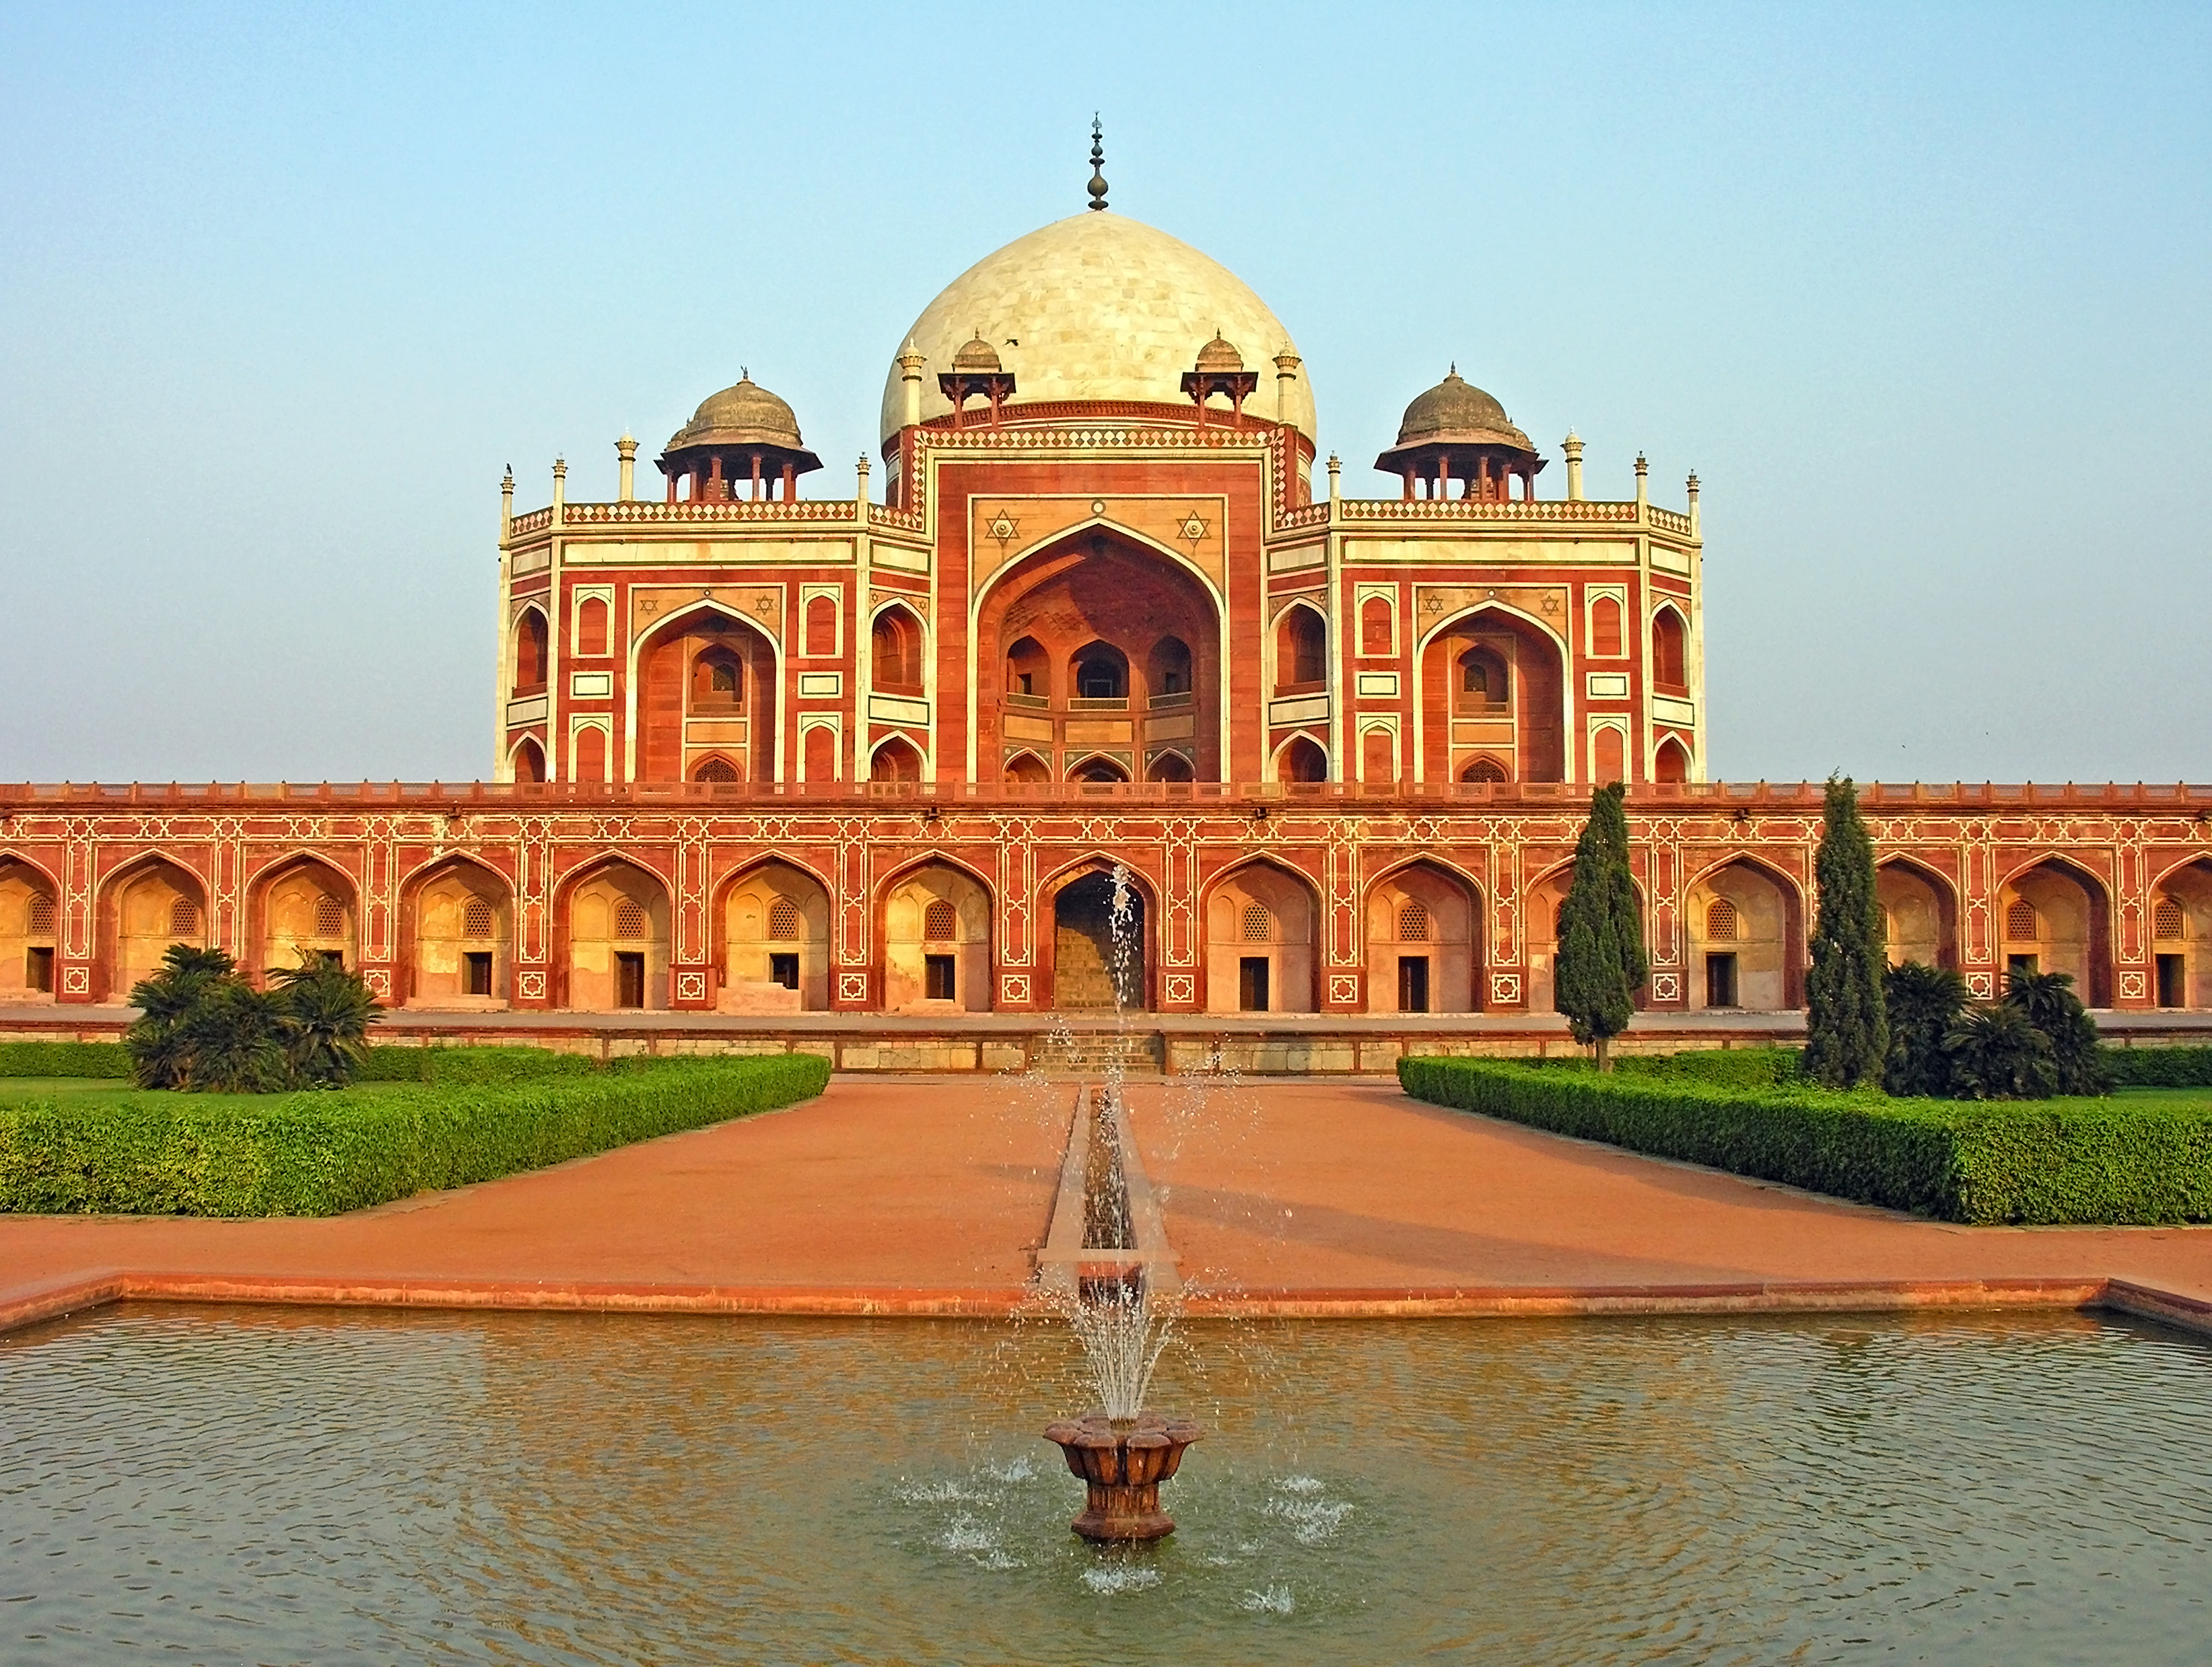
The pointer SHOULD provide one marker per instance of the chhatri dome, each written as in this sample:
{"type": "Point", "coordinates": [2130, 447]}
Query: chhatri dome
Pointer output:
{"type": "Point", "coordinates": [1097, 306]}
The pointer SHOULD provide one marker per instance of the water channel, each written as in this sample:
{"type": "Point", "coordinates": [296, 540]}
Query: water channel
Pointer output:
{"type": "Point", "coordinates": [283, 1485]}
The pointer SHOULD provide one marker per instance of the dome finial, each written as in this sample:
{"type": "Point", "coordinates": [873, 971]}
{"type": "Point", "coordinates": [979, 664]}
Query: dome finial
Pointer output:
{"type": "Point", "coordinates": [1098, 163]}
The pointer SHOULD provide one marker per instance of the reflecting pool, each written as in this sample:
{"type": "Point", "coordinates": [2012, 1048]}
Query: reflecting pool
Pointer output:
{"type": "Point", "coordinates": [294, 1485]}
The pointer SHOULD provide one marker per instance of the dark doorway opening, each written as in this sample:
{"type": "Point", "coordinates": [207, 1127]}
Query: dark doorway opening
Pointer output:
{"type": "Point", "coordinates": [2026, 964]}
{"type": "Point", "coordinates": [1252, 983]}
{"type": "Point", "coordinates": [630, 978]}
{"type": "Point", "coordinates": [476, 965]}
{"type": "Point", "coordinates": [783, 969]}
{"type": "Point", "coordinates": [940, 976]}
{"type": "Point", "coordinates": [1086, 970]}
{"type": "Point", "coordinates": [1413, 984]}
{"type": "Point", "coordinates": [39, 971]}
{"type": "Point", "coordinates": [2172, 980]}
{"type": "Point", "coordinates": [1720, 980]}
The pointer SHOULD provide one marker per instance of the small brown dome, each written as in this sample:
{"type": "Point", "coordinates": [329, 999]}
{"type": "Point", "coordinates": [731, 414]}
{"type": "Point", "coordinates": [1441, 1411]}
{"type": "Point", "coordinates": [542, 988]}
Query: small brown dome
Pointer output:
{"type": "Point", "coordinates": [746, 415]}
{"type": "Point", "coordinates": [1219, 357]}
{"type": "Point", "coordinates": [1456, 410]}
{"type": "Point", "coordinates": [977, 358]}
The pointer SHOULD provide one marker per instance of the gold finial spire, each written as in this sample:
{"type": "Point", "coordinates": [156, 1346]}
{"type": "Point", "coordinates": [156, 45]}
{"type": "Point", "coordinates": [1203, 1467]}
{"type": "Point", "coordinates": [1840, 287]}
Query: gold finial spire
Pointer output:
{"type": "Point", "coordinates": [1098, 164]}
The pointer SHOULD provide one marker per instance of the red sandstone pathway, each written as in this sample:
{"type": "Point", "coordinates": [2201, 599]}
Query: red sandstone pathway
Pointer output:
{"type": "Point", "coordinates": [1313, 1186]}
{"type": "Point", "coordinates": [896, 1187]}
{"type": "Point", "coordinates": [931, 1197]}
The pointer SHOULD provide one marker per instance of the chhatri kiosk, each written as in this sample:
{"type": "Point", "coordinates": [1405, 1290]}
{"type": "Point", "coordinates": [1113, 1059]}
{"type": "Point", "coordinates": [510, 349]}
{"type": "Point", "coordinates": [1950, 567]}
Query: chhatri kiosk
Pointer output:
{"type": "Point", "coordinates": [1098, 601]}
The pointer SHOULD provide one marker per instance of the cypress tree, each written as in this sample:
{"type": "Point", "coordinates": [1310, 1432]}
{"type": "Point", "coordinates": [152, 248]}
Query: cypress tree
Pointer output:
{"type": "Point", "coordinates": [1846, 1024]}
{"type": "Point", "coordinates": [1601, 964]}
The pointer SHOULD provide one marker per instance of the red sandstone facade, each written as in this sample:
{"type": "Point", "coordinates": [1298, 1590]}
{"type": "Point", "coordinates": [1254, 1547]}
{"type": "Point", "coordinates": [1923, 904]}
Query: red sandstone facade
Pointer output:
{"type": "Point", "coordinates": [765, 754]}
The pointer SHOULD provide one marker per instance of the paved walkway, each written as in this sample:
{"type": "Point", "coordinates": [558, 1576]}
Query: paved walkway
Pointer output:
{"type": "Point", "coordinates": [932, 1196]}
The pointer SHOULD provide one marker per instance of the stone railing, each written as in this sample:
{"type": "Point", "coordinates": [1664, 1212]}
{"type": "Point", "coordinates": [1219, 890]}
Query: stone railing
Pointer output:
{"type": "Point", "coordinates": [1467, 509]}
{"type": "Point", "coordinates": [2181, 798]}
{"type": "Point", "coordinates": [1667, 521]}
{"type": "Point", "coordinates": [638, 510]}
{"type": "Point", "coordinates": [537, 521]}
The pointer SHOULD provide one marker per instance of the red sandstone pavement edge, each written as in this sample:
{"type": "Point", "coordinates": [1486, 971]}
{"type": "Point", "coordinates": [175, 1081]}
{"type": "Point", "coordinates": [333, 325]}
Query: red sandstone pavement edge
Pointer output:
{"type": "Point", "coordinates": [32, 1305]}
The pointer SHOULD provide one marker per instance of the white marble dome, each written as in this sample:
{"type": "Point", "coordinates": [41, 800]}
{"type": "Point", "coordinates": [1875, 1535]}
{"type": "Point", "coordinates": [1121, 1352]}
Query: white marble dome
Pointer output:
{"type": "Point", "coordinates": [1098, 307]}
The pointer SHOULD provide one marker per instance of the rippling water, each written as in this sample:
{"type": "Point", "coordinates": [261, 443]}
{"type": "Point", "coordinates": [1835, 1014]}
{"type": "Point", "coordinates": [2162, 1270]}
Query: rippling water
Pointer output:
{"type": "Point", "coordinates": [226, 1485]}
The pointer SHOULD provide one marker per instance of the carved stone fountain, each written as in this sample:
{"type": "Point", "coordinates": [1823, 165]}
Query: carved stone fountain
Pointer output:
{"type": "Point", "coordinates": [1123, 1462]}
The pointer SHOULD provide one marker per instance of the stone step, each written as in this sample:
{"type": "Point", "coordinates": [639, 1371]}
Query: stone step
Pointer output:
{"type": "Point", "coordinates": [1139, 1053]}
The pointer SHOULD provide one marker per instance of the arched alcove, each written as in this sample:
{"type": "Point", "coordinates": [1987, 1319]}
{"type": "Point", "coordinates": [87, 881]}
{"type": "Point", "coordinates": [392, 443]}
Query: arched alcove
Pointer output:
{"type": "Point", "coordinates": [776, 921]}
{"type": "Point", "coordinates": [30, 921]}
{"type": "Point", "coordinates": [706, 685]}
{"type": "Point", "coordinates": [1919, 914]}
{"type": "Point", "coordinates": [144, 909]}
{"type": "Point", "coordinates": [2054, 917]}
{"type": "Point", "coordinates": [1423, 942]}
{"type": "Point", "coordinates": [462, 922]}
{"type": "Point", "coordinates": [1260, 942]}
{"type": "Point", "coordinates": [937, 941]}
{"type": "Point", "coordinates": [1092, 956]}
{"type": "Point", "coordinates": [614, 919]}
{"type": "Point", "coordinates": [1493, 685]}
{"type": "Point", "coordinates": [304, 908]}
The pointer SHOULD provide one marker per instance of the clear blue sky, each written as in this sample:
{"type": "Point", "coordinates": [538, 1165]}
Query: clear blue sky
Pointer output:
{"type": "Point", "coordinates": [1925, 294]}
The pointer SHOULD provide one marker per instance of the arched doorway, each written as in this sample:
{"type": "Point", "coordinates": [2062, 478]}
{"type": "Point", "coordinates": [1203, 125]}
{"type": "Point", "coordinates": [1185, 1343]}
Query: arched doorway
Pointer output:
{"type": "Point", "coordinates": [937, 941]}
{"type": "Point", "coordinates": [1744, 936]}
{"type": "Point", "coordinates": [1098, 945]}
{"type": "Point", "coordinates": [462, 925]}
{"type": "Point", "coordinates": [776, 943]}
{"type": "Point", "coordinates": [2053, 918]}
{"type": "Point", "coordinates": [1493, 687]}
{"type": "Point", "coordinates": [28, 923]}
{"type": "Point", "coordinates": [1540, 931]}
{"type": "Point", "coordinates": [616, 919]}
{"type": "Point", "coordinates": [1422, 949]}
{"type": "Point", "coordinates": [149, 907]}
{"type": "Point", "coordinates": [1918, 922]}
{"type": "Point", "coordinates": [1097, 644]}
{"type": "Point", "coordinates": [705, 690]}
{"type": "Point", "coordinates": [528, 761]}
{"type": "Point", "coordinates": [306, 911]}
{"type": "Point", "coordinates": [1259, 942]}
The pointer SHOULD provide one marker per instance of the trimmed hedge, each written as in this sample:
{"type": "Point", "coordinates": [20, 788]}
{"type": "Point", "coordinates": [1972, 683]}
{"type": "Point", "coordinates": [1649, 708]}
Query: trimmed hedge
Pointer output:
{"type": "Point", "coordinates": [2158, 1067]}
{"type": "Point", "coordinates": [471, 1065]}
{"type": "Point", "coordinates": [323, 1153]}
{"type": "Point", "coordinates": [2103, 1162]}
{"type": "Point", "coordinates": [99, 1059]}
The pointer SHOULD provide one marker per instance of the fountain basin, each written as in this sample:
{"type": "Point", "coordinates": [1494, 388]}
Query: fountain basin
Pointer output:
{"type": "Point", "coordinates": [1123, 1462]}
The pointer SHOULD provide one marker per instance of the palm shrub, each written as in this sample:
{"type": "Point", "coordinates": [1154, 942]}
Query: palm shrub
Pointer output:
{"type": "Point", "coordinates": [1846, 1029]}
{"type": "Point", "coordinates": [323, 1013]}
{"type": "Point", "coordinates": [2048, 1001]}
{"type": "Point", "coordinates": [1997, 1054]}
{"type": "Point", "coordinates": [1923, 1005]}
{"type": "Point", "coordinates": [202, 1027]}
{"type": "Point", "coordinates": [1601, 964]}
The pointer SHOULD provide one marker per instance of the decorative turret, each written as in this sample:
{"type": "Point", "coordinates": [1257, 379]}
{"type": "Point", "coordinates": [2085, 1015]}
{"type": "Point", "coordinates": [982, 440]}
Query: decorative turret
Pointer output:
{"type": "Point", "coordinates": [1456, 432]}
{"type": "Point", "coordinates": [976, 370]}
{"type": "Point", "coordinates": [1220, 370]}
{"type": "Point", "coordinates": [744, 433]}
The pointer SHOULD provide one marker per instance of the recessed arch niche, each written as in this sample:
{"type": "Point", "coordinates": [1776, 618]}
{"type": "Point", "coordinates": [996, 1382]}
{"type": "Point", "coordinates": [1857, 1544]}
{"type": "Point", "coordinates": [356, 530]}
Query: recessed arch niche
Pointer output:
{"type": "Point", "coordinates": [30, 921]}
{"type": "Point", "coordinates": [705, 689]}
{"type": "Point", "coordinates": [776, 927]}
{"type": "Point", "coordinates": [462, 923]}
{"type": "Point", "coordinates": [1423, 942]}
{"type": "Point", "coordinates": [616, 921]}
{"type": "Point", "coordinates": [1259, 933]}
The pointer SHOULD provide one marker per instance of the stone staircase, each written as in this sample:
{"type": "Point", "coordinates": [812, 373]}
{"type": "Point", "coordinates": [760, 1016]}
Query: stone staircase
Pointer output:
{"type": "Point", "coordinates": [1092, 1053]}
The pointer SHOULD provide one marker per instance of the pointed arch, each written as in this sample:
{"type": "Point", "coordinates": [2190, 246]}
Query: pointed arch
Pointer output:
{"type": "Point", "coordinates": [532, 636]}
{"type": "Point", "coordinates": [1670, 653]}
{"type": "Point", "coordinates": [1302, 757]}
{"type": "Point", "coordinates": [1530, 722]}
{"type": "Point", "coordinates": [1763, 967]}
{"type": "Point", "coordinates": [30, 929]}
{"type": "Point", "coordinates": [140, 908]}
{"type": "Point", "coordinates": [298, 905]}
{"type": "Point", "coordinates": [895, 759]}
{"type": "Point", "coordinates": [525, 762]}
{"type": "Point", "coordinates": [2073, 910]}
{"type": "Point", "coordinates": [1098, 768]}
{"type": "Point", "coordinates": [1027, 765]}
{"type": "Point", "coordinates": [1423, 930]}
{"type": "Point", "coordinates": [1076, 959]}
{"type": "Point", "coordinates": [456, 934]}
{"type": "Point", "coordinates": [936, 917]}
{"type": "Point", "coordinates": [611, 918]}
{"type": "Point", "coordinates": [1302, 656]}
{"type": "Point", "coordinates": [1262, 923]}
{"type": "Point", "coordinates": [772, 919]}
{"type": "Point", "coordinates": [1920, 912]}
{"type": "Point", "coordinates": [1670, 760]}
{"type": "Point", "coordinates": [1170, 764]}
{"type": "Point", "coordinates": [898, 651]}
{"type": "Point", "coordinates": [658, 692]}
